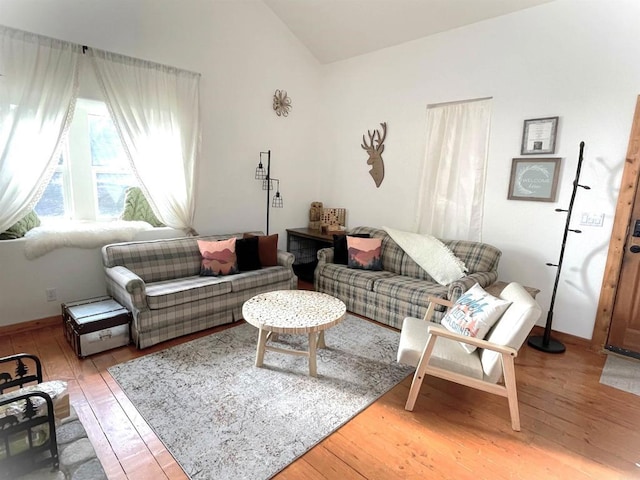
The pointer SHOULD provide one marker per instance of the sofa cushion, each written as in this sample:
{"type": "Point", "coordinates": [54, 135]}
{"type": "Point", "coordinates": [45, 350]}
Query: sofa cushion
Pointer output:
{"type": "Point", "coordinates": [408, 289]}
{"type": "Point", "coordinates": [477, 256]}
{"type": "Point", "coordinates": [259, 278]}
{"type": "Point", "coordinates": [364, 253]}
{"type": "Point", "coordinates": [169, 293]}
{"type": "Point", "coordinates": [353, 277]}
{"type": "Point", "coordinates": [156, 260]}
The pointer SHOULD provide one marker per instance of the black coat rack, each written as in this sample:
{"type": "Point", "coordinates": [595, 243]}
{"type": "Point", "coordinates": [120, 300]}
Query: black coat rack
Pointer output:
{"type": "Point", "coordinates": [545, 342]}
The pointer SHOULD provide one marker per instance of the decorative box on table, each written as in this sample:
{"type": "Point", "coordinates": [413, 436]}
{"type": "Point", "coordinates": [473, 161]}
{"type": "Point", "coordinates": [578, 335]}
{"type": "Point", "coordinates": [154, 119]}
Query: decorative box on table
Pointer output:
{"type": "Point", "coordinates": [95, 325]}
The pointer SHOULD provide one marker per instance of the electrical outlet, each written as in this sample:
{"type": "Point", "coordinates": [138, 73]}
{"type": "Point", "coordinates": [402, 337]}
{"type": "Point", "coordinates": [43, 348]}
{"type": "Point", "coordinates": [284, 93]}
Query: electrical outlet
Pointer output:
{"type": "Point", "coordinates": [52, 295]}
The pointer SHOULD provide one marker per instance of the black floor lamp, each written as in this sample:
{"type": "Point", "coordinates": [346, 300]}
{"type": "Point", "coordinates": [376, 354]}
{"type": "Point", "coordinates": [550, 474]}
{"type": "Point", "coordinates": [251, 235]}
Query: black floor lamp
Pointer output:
{"type": "Point", "coordinates": [545, 342]}
{"type": "Point", "coordinates": [267, 184]}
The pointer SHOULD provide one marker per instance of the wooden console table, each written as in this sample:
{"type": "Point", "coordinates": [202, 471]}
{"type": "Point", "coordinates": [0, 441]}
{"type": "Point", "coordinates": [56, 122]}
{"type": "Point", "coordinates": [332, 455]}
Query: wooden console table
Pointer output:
{"type": "Point", "coordinates": [304, 243]}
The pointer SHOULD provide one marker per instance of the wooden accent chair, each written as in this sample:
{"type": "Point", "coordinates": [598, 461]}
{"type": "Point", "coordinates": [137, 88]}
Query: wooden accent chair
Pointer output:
{"type": "Point", "coordinates": [436, 351]}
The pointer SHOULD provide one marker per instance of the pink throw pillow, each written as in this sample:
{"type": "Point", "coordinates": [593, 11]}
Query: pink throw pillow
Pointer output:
{"type": "Point", "coordinates": [218, 258]}
{"type": "Point", "coordinates": [364, 253]}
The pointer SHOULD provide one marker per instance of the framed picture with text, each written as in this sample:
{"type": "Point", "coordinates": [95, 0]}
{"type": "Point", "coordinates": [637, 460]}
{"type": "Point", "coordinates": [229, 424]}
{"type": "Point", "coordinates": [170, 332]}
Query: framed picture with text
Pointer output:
{"type": "Point", "coordinates": [539, 136]}
{"type": "Point", "coordinates": [534, 179]}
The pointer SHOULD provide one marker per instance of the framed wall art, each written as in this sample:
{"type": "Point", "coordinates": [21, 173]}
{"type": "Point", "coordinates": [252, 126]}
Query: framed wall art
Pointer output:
{"type": "Point", "coordinates": [539, 136]}
{"type": "Point", "coordinates": [534, 179]}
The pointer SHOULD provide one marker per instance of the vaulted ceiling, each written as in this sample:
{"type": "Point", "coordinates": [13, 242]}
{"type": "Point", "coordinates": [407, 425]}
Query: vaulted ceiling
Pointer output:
{"type": "Point", "coordinates": [334, 30]}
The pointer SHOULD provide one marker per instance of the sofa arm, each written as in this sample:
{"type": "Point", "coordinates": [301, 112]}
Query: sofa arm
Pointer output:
{"type": "Point", "coordinates": [286, 259]}
{"type": "Point", "coordinates": [458, 287]}
{"type": "Point", "coordinates": [325, 255]}
{"type": "Point", "coordinates": [127, 288]}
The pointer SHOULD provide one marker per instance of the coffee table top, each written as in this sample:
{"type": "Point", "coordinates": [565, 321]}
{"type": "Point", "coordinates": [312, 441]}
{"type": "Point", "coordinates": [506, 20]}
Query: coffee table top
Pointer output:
{"type": "Point", "coordinates": [293, 311]}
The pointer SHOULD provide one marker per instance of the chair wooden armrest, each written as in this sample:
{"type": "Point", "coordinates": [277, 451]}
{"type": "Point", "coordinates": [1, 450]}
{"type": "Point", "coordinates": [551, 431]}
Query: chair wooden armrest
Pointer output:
{"type": "Point", "coordinates": [440, 331]}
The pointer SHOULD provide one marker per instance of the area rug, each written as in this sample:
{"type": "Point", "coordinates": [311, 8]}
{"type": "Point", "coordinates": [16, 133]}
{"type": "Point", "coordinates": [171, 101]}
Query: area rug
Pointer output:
{"type": "Point", "coordinates": [621, 373]}
{"type": "Point", "coordinates": [222, 417]}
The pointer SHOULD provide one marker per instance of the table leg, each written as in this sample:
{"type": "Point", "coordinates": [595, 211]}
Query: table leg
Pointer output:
{"type": "Point", "coordinates": [313, 337]}
{"type": "Point", "coordinates": [262, 340]}
{"type": "Point", "coordinates": [321, 343]}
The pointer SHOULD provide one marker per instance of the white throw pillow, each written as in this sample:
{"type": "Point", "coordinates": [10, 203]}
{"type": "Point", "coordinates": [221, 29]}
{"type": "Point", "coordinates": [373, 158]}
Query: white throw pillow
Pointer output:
{"type": "Point", "coordinates": [473, 314]}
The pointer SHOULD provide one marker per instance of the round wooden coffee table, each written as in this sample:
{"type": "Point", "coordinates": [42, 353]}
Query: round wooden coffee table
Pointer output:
{"type": "Point", "coordinates": [294, 312]}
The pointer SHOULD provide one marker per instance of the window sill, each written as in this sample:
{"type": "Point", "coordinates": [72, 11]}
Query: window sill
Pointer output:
{"type": "Point", "coordinates": [44, 239]}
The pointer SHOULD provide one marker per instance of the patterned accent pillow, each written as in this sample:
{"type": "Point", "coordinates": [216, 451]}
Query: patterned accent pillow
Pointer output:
{"type": "Point", "coordinates": [340, 247]}
{"type": "Point", "coordinates": [364, 253]}
{"type": "Point", "coordinates": [248, 254]}
{"type": "Point", "coordinates": [21, 227]}
{"type": "Point", "coordinates": [267, 249]}
{"type": "Point", "coordinates": [136, 207]}
{"type": "Point", "coordinates": [218, 258]}
{"type": "Point", "coordinates": [473, 314]}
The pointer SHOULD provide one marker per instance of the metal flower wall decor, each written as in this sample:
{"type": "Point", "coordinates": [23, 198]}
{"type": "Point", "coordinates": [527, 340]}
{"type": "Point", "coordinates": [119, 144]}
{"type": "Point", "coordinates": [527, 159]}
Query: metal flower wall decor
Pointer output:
{"type": "Point", "coordinates": [281, 103]}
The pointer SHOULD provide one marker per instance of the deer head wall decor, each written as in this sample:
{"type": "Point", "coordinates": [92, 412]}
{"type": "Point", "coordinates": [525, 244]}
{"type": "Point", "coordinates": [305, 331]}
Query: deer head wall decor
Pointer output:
{"type": "Point", "coordinates": [375, 148]}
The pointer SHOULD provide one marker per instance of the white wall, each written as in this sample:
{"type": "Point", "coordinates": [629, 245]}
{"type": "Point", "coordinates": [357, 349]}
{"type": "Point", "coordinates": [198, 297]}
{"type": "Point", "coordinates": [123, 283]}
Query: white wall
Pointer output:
{"type": "Point", "coordinates": [575, 59]}
{"type": "Point", "coordinates": [244, 54]}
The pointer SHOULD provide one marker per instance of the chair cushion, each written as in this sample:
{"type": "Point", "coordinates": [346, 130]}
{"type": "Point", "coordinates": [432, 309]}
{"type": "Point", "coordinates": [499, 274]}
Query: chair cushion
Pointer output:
{"type": "Point", "coordinates": [512, 329]}
{"type": "Point", "coordinates": [56, 389]}
{"type": "Point", "coordinates": [447, 354]}
{"type": "Point", "coordinates": [13, 413]}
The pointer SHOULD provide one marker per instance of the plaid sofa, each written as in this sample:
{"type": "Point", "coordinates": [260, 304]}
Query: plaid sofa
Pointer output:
{"type": "Point", "coordinates": [158, 281]}
{"type": "Point", "coordinates": [400, 290]}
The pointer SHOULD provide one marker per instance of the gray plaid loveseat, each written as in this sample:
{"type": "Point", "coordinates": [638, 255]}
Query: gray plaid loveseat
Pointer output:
{"type": "Point", "coordinates": [400, 290]}
{"type": "Point", "coordinates": [158, 281]}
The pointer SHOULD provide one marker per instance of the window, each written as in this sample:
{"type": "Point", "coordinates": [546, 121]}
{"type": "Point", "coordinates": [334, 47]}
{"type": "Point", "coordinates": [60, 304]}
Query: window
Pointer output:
{"type": "Point", "coordinates": [93, 172]}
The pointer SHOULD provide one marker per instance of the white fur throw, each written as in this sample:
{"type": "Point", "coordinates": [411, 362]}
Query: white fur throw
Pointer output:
{"type": "Point", "coordinates": [431, 254]}
{"type": "Point", "coordinates": [46, 238]}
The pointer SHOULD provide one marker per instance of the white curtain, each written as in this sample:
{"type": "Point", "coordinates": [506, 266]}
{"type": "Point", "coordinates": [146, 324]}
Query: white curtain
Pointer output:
{"type": "Point", "coordinates": [451, 196]}
{"type": "Point", "coordinates": [156, 112]}
{"type": "Point", "coordinates": [38, 87]}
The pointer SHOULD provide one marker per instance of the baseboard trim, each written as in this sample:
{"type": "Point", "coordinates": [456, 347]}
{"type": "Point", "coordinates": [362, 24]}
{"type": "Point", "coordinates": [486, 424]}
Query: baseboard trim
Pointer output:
{"type": "Point", "coordinates": [31, 325]}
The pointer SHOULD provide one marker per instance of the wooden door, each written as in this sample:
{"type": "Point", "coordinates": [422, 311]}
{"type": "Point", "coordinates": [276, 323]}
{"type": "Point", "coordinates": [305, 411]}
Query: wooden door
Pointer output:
{"type": "Point", "coordinates": [619, 244]}
{"type": "Point", "coordinates": [624, 332]}
{"type": "Point", "coordinates": [617, 325]}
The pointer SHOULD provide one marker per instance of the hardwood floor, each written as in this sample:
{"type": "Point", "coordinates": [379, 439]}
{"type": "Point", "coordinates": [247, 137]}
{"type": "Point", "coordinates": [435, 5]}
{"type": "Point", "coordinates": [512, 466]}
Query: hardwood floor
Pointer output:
{"type": "Point", "coordinates": [572, 426]}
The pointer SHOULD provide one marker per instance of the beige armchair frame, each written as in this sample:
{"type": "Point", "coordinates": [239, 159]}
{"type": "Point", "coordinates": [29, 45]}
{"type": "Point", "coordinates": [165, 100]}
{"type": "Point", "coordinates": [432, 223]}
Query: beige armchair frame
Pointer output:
{"type": "Point", "coordinates": [526, 313]}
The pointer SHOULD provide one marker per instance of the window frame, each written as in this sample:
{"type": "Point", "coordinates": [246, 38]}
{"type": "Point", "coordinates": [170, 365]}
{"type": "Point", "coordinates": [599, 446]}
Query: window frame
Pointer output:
{"type": "Point", "coordinates": [79, 175]}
